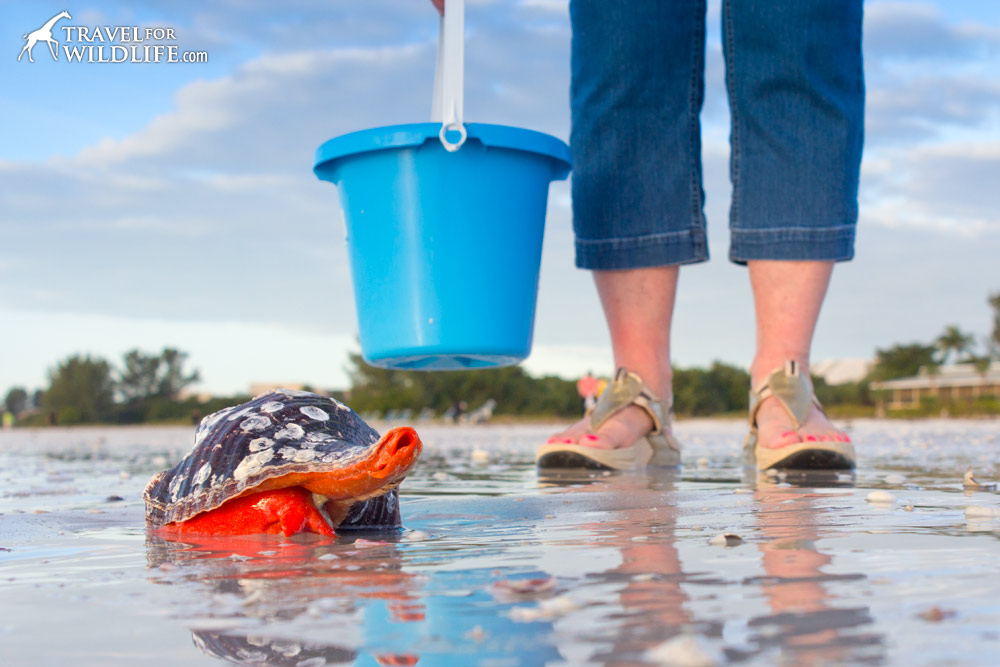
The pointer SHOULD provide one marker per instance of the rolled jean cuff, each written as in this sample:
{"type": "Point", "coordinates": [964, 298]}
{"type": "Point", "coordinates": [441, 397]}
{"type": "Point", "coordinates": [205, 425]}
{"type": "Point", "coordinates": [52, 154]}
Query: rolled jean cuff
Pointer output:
{"type": "Point", "coordinates": [637, 252]}
{"type": "Point", "coordinates": [793, 243]}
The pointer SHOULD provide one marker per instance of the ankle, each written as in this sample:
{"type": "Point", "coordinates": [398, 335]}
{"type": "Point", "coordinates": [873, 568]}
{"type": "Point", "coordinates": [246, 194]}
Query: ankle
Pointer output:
{"type": "Point", "coordinates": [657, 377]}
{"type": "Point", "coordinates": [765, 364]}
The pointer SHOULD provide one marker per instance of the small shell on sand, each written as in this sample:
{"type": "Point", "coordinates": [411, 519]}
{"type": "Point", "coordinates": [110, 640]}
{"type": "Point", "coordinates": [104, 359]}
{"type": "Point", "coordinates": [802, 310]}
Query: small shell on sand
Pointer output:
{"type": "Point", "coordinates": [684, 651]}
{"type": "Point", "coordinates": [936, 614]}
{"type": "Point", "coordinates": [546, 610]}
{"type": "Point", "coordinates": [894, 478]}
{"type": "Point", "coordinates": [881, 498]}
{"type": "Point", "coordinates": [480, 456]}
{"type": "Point", "coordinates": [415, 536]}
{"type": "Point", "coordinates": [969, 481]}
{"type": "Point", "coordinates": [363, 543]}
{"type": "Point", "coordinates": [742, 490]}
{"type": "Point", "coordinates": [726, 540]}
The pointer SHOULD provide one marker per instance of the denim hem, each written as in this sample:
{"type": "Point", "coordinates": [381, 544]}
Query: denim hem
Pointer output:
{"type": "Point", "coordinates": [793, 243]}
{"type": "Point", "coordinates": [637, 252]}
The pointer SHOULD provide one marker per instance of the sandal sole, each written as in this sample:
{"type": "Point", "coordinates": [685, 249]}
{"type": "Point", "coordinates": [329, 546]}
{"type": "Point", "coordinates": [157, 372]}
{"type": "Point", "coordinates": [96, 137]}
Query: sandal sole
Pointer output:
{"type": "Point", "coordinates": [577, 456]}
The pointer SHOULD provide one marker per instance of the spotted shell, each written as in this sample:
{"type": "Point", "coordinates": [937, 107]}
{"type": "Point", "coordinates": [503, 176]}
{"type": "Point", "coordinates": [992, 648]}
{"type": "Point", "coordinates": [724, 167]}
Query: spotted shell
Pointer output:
{"type": "Point", "coordinates": [240, 447]}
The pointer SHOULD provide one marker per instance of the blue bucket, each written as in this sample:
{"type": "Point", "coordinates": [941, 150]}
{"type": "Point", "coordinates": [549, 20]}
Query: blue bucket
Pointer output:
{"type": "Point", "coordinates": [445, 246]}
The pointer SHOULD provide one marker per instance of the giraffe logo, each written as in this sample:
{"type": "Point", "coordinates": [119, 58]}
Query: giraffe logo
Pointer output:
{"type": "Point", "coordinates": [43, 34]}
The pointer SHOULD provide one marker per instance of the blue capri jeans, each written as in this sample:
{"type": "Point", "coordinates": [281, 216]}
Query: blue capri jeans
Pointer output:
{"type": "Point", "coordinates": [796, 93]}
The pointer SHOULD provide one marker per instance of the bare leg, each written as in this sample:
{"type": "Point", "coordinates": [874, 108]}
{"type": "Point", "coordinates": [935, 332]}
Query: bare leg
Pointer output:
{"type": "Point", "coordinates": [787, 297]}
{"type": "Point", "coordinates": [638, 306]}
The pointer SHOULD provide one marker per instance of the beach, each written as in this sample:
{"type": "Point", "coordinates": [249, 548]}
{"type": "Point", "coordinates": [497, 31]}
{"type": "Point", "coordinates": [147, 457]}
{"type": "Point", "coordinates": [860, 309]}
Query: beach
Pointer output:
{"type": "Point", "coordinates": [500, 564]}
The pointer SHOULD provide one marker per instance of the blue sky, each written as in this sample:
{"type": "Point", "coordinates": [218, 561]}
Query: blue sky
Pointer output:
{"type": "Point", "coordinates": [145, 205]}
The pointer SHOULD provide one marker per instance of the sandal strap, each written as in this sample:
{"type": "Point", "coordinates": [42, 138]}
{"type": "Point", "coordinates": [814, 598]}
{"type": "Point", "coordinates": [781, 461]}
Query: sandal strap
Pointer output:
{"type": "Point", "coordinates": [791, 387]}
{"type": "Point", "coordinates": [628, 389]}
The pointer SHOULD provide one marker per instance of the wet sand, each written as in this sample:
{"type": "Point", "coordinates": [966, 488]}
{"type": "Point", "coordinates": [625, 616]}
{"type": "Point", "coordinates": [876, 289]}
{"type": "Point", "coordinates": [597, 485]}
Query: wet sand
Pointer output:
{"type": "Point", "coordinates": [500, 565]}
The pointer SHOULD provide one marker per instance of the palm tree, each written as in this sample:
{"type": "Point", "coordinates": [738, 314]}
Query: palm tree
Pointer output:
{"type": "Point", "coordinates": [954, 343]}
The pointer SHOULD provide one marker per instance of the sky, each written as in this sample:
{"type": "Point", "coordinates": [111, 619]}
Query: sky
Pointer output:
{"type": "Point", "coordinates": [145, 205]}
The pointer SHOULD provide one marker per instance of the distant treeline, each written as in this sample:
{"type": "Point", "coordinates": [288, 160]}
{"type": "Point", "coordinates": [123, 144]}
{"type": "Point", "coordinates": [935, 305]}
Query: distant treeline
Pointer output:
{"type": "Point", "coordinates": [698, 392]}
{"type": "Point", "coordinates": [149, 387]}
{"type": "Point", "coordinates": [84, 389]}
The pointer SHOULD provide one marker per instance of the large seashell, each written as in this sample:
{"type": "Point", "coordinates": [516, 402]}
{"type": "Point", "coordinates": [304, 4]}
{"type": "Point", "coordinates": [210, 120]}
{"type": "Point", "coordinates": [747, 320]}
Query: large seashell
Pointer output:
{"type": "Point", "coordinates": [275, 434]}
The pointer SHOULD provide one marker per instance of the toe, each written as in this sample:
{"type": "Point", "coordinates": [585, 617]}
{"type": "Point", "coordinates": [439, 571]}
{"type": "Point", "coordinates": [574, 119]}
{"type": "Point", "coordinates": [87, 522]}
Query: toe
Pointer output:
{"type": "Point", "coordinates": [596, 441]}
{"type": "Point", "coordinates": [788, 438]}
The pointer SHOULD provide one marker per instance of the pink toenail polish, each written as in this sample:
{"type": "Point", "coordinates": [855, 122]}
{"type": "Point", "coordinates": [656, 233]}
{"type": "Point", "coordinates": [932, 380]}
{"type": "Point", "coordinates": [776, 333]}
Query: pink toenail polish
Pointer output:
{"type": "Point", "coordinates": [567, 441]}
{"type": "Point", "coordinates": [810, 438]}
{"type": "Point", "coordinates": [590, 437]}
{"type": "Point", "coordinates": [550, 440]}
{"type": "Point", "coordinates": [847, 438]}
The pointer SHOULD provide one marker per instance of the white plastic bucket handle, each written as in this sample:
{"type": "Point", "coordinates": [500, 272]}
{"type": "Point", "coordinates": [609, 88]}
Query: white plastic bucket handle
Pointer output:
{"type": "Point", "coordinates": [449, 75]}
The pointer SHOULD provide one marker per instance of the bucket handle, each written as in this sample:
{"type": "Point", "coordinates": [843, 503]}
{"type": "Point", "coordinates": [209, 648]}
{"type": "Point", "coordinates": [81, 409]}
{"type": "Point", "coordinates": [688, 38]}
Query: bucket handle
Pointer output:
{"type": "Point", "coordinates": [449, 75]}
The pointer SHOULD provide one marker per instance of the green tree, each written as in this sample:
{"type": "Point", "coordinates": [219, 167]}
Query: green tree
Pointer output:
{"type": "Point", "coordinates": [16, 400]}
{"type": "Point", "coordinates": [720, 388]}
{"type": "Point", "coordinates": [145, 376]}
{"type": "Point", "coordinates": [953, 343]}
{"type": "Point", "coordinates": [172, 378]}
{"type": "Point", "coordinates": [80, 390]}
{"type": "Point", "coordinates": [994, 301]}
{"type": "Point", "coordinates": [138, 378]}
{"type": "Point", "coordinates": [901, 361]}
{"type": "Point", "coordinates": [379, 389]}
{"type": "Point", "coordinates": [150, 384]}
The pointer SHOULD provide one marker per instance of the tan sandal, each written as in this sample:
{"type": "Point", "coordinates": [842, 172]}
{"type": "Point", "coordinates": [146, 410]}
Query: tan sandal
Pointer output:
{"type": "Point", "coordinates": [794, 391]}
{"type": "Point", "coordinates": [656, 448]}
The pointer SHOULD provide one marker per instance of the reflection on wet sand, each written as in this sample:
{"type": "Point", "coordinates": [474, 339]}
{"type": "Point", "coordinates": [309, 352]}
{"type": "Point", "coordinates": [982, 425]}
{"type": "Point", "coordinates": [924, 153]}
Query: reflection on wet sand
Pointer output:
{"type": "Point", "coordinates": [627, 571]}
{"type": "Point", "coordinates": [271, 581]}
{"type": "Point", "coordinates": [649, 576]}
{"type": "Point", "coordinates": [804, 621]}
{"type": "Point", "coordinates": [379, 600]}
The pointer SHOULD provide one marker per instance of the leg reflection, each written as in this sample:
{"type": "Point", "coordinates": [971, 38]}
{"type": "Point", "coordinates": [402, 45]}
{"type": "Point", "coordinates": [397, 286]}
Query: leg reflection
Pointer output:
{"type": "Point", "coordinates": [639, 517]}
{"type": "Point", "coordinates": [805, 621]}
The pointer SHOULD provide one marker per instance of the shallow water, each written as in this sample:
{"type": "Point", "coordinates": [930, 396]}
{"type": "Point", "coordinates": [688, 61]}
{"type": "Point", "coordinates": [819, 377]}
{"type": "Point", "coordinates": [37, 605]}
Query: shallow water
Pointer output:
{"type": "Point", "coordinates": [626, 571]}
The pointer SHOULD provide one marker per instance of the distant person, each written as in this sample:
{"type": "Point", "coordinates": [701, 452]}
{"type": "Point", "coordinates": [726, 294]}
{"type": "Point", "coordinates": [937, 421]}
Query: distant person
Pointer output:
{"type": "Point", "coordinates": [456, 410]}
{"type": "Point", "coordinates": [587, 388]}
{"type": "Point", "coordinates": [796, 93]}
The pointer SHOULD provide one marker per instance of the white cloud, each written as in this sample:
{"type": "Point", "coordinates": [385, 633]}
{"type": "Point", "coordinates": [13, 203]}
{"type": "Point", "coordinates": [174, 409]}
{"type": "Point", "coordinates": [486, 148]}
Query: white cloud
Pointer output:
{"type": "Point", "coordinates": [555, 6]}
{"type": "Point", "coordinates": [919, 31]}
{"type": "Point", "coordinates": [950, 187]}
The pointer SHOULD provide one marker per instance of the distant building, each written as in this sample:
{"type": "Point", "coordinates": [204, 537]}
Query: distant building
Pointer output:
{"type": "Point", "coordinates": [841, 371]}
{"type": "Point", "coordinates": [200, 396]}
{"type": "Point", "coordinates": [949, 384]}
{"type": "Point", "coordinates": [258, 388]}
